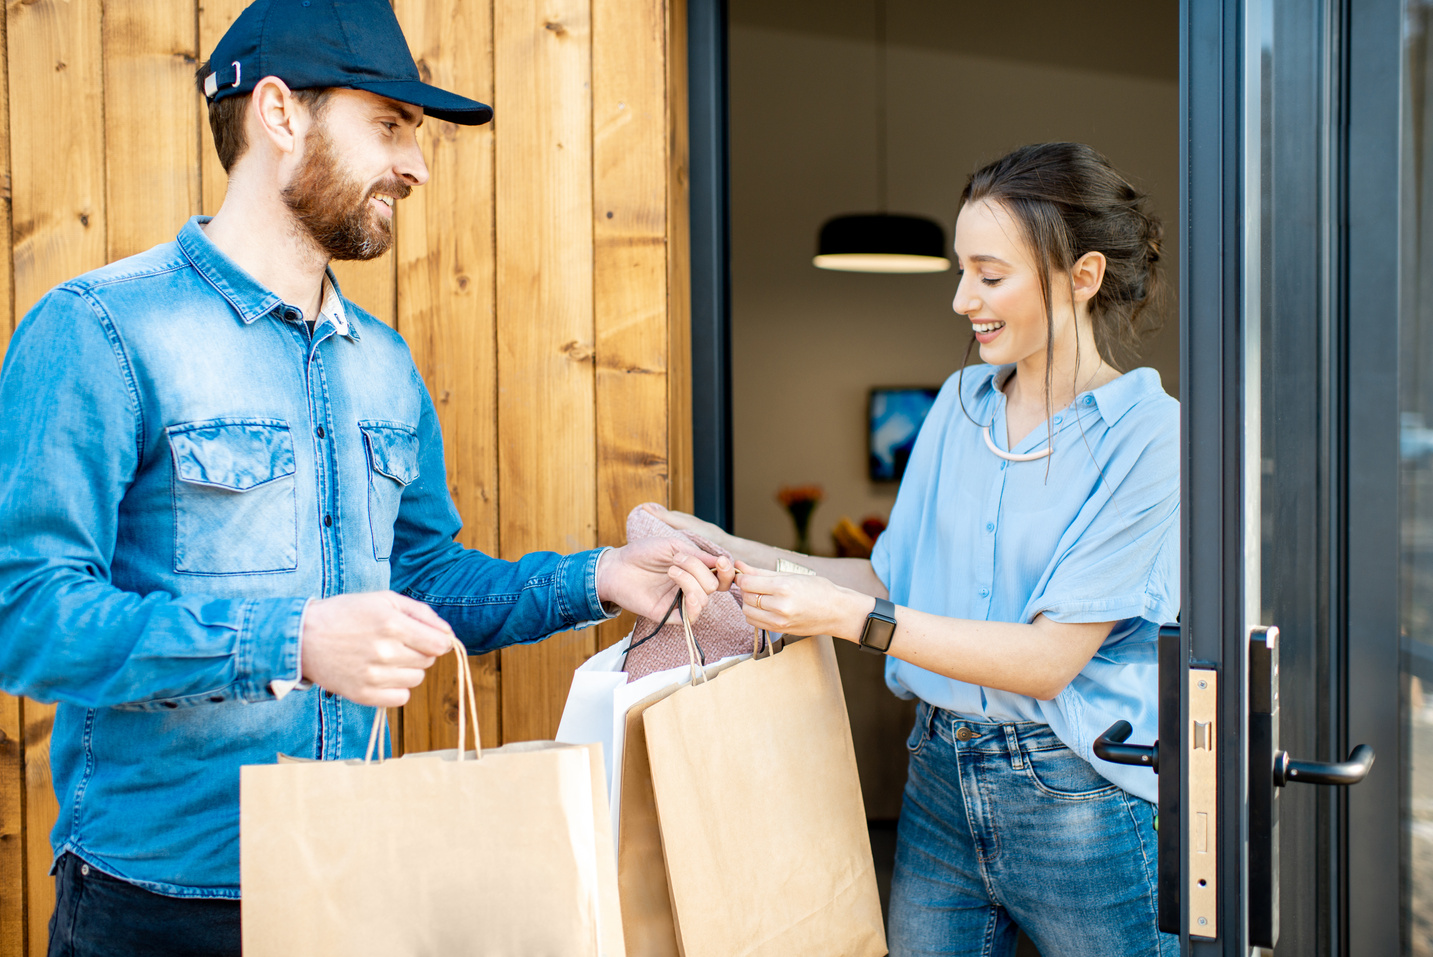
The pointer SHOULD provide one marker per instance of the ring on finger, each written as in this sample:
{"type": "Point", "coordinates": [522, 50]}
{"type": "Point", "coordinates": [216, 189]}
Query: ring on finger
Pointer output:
{"type": "Point", "coordinates": [757, 601]}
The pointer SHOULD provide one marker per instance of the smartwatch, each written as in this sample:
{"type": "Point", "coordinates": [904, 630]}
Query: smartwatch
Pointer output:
{"type": "Point", "coordinates": [880, 628]}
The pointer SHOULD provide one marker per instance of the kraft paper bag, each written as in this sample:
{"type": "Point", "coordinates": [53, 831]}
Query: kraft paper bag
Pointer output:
{"type": "Point", "coordinates": [597, 706]}
{"type": "Point", "coordinates": [763, 829]}
{"type": "Point", "coordinates": [503, 853]}
{"type": "Point", "coordinates": [648, 923]}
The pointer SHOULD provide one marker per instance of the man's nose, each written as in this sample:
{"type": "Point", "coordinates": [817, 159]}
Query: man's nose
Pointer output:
{"type": "Point", "coordinates": [412, 167]}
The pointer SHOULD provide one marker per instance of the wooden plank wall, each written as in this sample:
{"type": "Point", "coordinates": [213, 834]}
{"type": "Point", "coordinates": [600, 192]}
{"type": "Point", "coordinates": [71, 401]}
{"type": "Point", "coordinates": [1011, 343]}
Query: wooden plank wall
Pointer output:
{"type": "Point", "coordinates": [540, 280]}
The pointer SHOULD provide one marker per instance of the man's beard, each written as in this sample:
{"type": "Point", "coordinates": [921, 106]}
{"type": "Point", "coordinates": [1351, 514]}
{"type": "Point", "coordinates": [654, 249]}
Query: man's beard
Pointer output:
{"type": "Point", "coordinates": [333, 209]}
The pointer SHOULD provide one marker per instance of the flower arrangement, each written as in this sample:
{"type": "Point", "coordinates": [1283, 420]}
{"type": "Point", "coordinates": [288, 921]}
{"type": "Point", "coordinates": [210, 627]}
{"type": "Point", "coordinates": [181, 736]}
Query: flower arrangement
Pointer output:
{"type": "Point", "coordinates": [800, 501]}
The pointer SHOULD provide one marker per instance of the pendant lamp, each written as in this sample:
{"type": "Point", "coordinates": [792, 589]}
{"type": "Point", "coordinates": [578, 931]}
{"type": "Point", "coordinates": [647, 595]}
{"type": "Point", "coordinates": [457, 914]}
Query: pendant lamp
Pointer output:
{"type": "Point", "coordinates": [881, 241]}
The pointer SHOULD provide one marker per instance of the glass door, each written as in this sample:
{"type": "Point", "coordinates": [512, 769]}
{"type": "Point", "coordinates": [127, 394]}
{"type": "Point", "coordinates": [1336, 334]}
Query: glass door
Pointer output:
{"type": "Point", "coordinates": [1288, 575]}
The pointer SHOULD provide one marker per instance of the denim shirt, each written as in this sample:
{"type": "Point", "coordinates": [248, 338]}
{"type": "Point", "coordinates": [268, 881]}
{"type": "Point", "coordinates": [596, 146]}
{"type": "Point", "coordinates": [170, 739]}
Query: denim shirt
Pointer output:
{"type": "Point", "coordinates": [1089, 533]}
{"type": "Point", "coordinates": [186, 466]}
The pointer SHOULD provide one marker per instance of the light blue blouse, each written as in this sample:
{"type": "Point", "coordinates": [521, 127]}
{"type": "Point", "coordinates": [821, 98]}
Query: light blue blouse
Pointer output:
{"type": "Point", "coordinates": [975, 536]}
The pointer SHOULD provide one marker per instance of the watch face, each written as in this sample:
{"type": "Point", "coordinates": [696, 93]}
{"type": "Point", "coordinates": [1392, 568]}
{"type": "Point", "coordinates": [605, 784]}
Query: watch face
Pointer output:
{"type": "Point", "coordinates": [877, 634]}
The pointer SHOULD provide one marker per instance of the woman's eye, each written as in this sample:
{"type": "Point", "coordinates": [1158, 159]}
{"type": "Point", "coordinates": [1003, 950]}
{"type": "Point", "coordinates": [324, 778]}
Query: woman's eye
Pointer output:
{"type": "Point", "coordinates": [992, 280]}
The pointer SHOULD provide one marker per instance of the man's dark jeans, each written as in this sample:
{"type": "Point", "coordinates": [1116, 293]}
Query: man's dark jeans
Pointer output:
{"type": "Point", "coordinates": [97, 915]}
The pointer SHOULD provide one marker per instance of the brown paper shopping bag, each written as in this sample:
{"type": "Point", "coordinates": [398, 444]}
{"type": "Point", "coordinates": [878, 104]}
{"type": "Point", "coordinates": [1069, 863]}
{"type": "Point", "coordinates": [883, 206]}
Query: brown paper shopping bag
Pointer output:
{"type": "Point", "coordinates": [507, 853]}
{"type": "Point", "coordinates": [763, 828]}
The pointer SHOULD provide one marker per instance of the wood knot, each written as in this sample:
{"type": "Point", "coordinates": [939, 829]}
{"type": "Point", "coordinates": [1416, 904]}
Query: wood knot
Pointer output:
{"type": "Point", "coordinates": [462, 282]}
{"type": "Point", "coordinates": [556, 27]}
{"type": "Point", "coordinates": [578, 351]}
{"type": "Point", "coordinates": [425, 72]}
{"type": "Point", "coordinates": [61, 66]}
{"type": "Point", "coordinates": [85, 220]}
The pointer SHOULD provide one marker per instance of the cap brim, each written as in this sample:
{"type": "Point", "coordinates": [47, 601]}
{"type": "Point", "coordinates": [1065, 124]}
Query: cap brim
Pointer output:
{"type": "Point", "coordinates": [439, 104]}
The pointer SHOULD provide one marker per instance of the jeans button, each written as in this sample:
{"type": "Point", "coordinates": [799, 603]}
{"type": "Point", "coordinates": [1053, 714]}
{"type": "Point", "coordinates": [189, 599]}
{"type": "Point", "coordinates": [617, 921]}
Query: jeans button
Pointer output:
{"type": "Point", "coordinates": [964, 734]}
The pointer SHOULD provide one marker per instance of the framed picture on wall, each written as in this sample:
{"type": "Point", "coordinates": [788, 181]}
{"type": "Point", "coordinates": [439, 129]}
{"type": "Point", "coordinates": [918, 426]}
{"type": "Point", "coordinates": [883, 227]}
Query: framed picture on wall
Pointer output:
{"type": "Point", "coordinates": [895, 417]}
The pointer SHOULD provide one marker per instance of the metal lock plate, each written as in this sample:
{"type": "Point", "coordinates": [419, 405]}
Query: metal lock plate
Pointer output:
{"type": "Point", "coordinates": [1202, 817]}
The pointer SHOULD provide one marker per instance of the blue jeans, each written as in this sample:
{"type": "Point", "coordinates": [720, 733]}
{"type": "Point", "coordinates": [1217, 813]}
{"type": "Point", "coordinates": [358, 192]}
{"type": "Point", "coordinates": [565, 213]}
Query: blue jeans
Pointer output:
{"type": "Point", "coordinates": [1002, 826]}
{"type": "Point", "coordinates": [97, 915]}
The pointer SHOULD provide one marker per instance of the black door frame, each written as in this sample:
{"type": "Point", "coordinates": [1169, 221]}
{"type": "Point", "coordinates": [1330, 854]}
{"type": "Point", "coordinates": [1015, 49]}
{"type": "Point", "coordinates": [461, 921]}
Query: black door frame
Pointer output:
{"type": "Point", "coordinates": [711, 257]}
{"type": "Point", "coordinates": [1333, 178]}
{"type": "Point", "coordinates": [1372, 894]}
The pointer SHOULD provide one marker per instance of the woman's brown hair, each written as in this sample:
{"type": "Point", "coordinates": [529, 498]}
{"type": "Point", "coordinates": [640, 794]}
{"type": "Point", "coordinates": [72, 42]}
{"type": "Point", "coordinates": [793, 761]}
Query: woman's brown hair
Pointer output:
{"type": "Point", "coordinates": [1068, 200]}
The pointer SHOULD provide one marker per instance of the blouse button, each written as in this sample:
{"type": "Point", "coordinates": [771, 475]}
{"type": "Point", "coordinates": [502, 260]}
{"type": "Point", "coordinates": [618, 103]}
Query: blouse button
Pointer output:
{"type": "Point", "coordinates": [1089, 400]}
{"type": "Point", "coordinates": [985, 593]}
{"type": "Point", "coordinates": [990, 526]}
{"type": "Point", "coordinates": [1057, 420]}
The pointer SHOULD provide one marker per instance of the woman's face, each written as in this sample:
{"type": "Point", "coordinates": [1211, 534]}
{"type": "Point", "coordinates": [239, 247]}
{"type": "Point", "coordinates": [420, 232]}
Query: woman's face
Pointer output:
{"type": "Point", "coordinates": [999, 290]}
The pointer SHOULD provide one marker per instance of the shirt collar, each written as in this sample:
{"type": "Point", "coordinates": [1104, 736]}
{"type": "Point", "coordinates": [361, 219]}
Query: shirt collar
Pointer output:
{"type": "Point", "coordinates": [250, 298]}
{"type": "Point", "coordinates": [1113, 399]}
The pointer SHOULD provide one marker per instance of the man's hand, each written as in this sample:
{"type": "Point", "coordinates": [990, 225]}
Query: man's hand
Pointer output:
{"type": "Point", "coordinates": [371, 647]}
{"type": "Point", "coordinates": [644, 576]}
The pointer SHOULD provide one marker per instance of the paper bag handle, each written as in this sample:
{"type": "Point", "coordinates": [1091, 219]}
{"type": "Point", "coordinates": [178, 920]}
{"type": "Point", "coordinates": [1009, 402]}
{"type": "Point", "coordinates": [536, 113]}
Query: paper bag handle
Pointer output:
{"type": "Point", "coordinates": [467, 706]}
{"type": "Point", "coordinates": [693, 652]}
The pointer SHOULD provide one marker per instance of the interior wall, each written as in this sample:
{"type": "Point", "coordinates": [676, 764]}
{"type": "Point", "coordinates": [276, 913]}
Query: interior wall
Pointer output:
{"type": "Point", "coordinates": [809, 344]}
{"type": "Point", "coordinates": [966, 83]}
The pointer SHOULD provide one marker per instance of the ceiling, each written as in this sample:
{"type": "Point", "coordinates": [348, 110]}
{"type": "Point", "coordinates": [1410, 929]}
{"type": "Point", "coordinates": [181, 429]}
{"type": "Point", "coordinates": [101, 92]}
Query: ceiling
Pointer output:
{"type": "Point", "coordinates": [1135, 37]}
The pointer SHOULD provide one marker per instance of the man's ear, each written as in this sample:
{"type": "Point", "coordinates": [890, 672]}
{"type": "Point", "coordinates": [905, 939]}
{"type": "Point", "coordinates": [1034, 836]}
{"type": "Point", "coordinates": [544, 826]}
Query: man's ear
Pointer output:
{"type": "Point", "coordinates": [1087, 275]}
{"type": "Point", "coordinates": [275, 116]}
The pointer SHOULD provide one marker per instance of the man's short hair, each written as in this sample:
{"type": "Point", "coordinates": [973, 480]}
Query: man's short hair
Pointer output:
{"type": "Point", "coordinates": [226, 117]}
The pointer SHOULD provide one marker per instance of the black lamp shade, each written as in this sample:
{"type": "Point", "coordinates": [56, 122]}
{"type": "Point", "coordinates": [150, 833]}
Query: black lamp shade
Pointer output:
{"type": "Point", "coordinates": [882, 242]}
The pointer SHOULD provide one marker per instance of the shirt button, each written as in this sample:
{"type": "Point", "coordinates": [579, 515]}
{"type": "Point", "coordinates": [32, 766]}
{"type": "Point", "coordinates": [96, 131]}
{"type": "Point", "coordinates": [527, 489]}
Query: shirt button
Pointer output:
{"type": "Point", "coordinates": [1089, 400]}
{"type": "Point", "coordinates": [319, 431]}
{"type": "Point", "coordinates": [85, 870]}
{"type": "Point", "coordinates": [964, 734]}
{"type": "Point", "coordinates": [990, 526]}
{"type": "Point", "coordinates": [1002, 466]}
{"type": "Point", "coordinates": [985, 593]}
{"type": "Point", "coordinates": [1057, 420]}
{"type": "Point", "coordinates": [328, 521]}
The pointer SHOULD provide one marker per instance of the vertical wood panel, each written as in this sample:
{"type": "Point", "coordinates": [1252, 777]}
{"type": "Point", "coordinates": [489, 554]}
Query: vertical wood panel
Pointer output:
{"type": "Point", "coordinates": [629, 177]}
{"type": "Point", "coordinates": [12, 829]}
{"type": "Point", "coordinates": [679, 265]}
{"type": "Point", "coordinates": [151, 125]}
{"type": "Point", "coordinates": [41, 812]}
{"type": "Point", "coordinates": [7, 285]}
{"type": "Point", "coordinates": [447, 313]}
{"type": "Point", "coordinates": [13, 922]}
{"type": "Point", "coordinates": [56, 110]}
{"type": "Point", "coordinates": [547, 458]}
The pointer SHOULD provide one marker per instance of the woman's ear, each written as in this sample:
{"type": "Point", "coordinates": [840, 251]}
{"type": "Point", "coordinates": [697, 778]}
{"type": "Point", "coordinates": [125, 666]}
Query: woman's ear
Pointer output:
{"type": "Point", "coordinates": [1087, 275]}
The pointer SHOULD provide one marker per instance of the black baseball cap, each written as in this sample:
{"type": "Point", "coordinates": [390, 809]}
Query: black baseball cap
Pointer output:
{"type": "Point", "coordinates": [320, 43]}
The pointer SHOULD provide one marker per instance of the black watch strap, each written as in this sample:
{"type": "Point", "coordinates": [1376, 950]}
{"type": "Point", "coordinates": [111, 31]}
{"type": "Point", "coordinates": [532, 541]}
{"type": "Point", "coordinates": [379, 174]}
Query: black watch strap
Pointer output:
{"type": "Point", "coordinates": [880, 628]}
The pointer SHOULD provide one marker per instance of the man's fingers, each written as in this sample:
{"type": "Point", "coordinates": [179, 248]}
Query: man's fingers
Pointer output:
{"type": "Point", "coordinates": [695, 593]}
{"type": "Point", "coordinates": [421, 629]}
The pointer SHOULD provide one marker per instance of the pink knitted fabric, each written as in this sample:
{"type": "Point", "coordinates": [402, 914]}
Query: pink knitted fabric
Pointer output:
{"type": "Point", "coordinates": [721, 631]}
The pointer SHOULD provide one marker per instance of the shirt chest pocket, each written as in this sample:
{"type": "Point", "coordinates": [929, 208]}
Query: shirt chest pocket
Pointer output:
{"type": "Point", "coordinates": [235, 510]}
{"type": "Point", "coordinates": [392, 466]}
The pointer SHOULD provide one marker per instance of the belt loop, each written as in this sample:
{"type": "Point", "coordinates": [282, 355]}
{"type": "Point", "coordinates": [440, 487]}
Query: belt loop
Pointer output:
{"type": "Point", "coordinates": [930, 711]}
{"type": "Point", "coordinates": [1012, 742]}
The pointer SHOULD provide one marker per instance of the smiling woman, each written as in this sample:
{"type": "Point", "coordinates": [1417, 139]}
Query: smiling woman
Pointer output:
{"type": "Point", "coordinates": [1026, 594]}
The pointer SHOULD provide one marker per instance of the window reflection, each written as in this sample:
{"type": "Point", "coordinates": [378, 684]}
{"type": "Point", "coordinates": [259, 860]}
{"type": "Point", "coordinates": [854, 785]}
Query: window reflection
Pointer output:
{"type": "Point", "coordinates": [1416, 447]}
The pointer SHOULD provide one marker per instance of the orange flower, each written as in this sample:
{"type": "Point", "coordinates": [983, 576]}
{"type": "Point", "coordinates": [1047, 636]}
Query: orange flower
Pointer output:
{"type": "Point", "coordinates": [790, 495]}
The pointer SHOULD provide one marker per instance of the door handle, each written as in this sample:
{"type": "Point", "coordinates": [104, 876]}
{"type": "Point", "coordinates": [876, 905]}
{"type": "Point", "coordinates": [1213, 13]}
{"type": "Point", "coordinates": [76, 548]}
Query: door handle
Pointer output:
{"type": "Point", "coordinates": [1111, 747]}
{"type": "Point", "coordinates": [1289, 770]}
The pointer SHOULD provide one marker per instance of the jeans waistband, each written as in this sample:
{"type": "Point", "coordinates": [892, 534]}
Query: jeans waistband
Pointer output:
{"type": "Point", "coordinates": [998, 737]}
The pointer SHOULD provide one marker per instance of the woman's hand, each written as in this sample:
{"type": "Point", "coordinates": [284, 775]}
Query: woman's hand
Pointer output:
{"type": "Point", "coordinates": [801, 604]}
